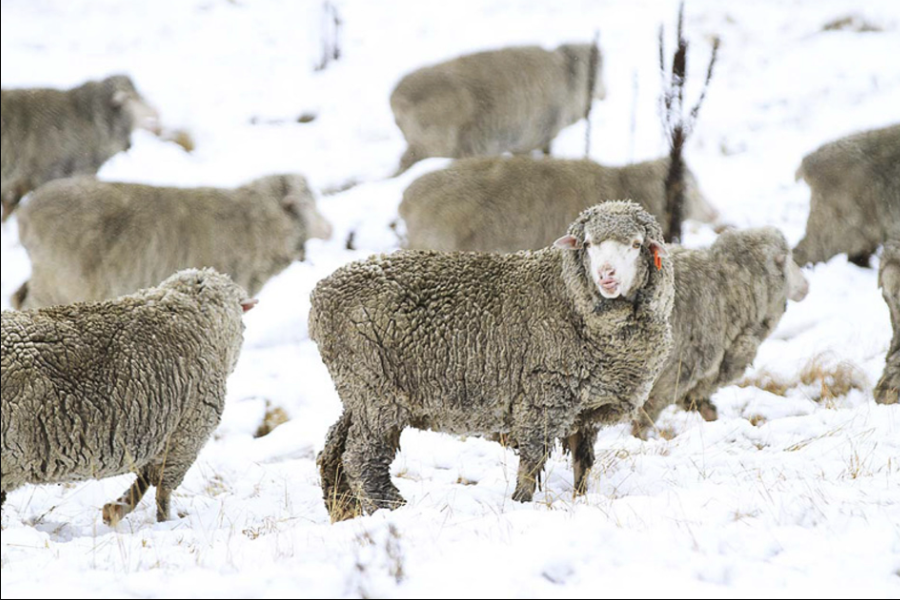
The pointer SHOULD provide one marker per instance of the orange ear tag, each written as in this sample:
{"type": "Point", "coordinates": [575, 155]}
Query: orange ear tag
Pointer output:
{"type": "Point", "coordinates": [657, 259]}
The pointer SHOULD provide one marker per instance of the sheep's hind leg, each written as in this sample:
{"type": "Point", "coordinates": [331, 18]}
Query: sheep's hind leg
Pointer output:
{"type": "Point", "coordinates": [581, 445]}
{"type": "Point", "coordinates": [339, 498]}
{"type": "Point", "coordinates": [115, 512]}
{"type": "Point", "coordinates": [533, 456]}
{"type": "Point", "coordinates": [367, 461]}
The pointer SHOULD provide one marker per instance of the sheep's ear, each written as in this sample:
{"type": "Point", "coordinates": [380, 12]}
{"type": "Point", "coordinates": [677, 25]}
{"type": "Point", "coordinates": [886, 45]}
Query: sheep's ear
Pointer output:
{"type": "Point", "coordinates": [569, 242]}
{"type": "Point", "coordinates": [781, 260]}
{"type": "Point", "coordinates": [120, 98]}
{"type": "Point", "coordinates": [292, 205]}
{"type": "Point", "coordinates": [658, 248]}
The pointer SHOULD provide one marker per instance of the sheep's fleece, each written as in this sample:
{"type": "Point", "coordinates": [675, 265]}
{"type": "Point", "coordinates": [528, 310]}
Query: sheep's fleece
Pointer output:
{"type": "Point", "coordinates": [500, 204]}
{"type": "Point", "coordinates": [855, 203]}
{"type": "Point", "coordinates": [484, 104]}
{"type": "Point", "coordinates": [728, 299]}
{"type": "Point", "coordinates": [51, 134]}
{"type": "Point", "coordinates": [521, 344]}
{"type": "Point", "coordinates": [888, 390]}
{"type": "Point", "coordinates": [90, 241]}
{"type": "Point", "coordinates": [135, 385]}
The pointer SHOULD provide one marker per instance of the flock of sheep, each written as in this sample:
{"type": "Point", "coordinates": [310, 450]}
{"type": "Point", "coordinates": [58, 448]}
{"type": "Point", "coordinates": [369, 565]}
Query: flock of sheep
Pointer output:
{"type": "Point", "coordinates": [532, 303]}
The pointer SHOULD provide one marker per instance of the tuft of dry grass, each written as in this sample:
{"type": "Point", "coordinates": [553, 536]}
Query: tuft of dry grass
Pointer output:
{"type": "Point", "coordinates": [853, 23]}
{"type": "Point", "coordinates": [829, 381]}
{"type": "Point", "coordinates": [274, 418]}
{"type": "Point", "coordinates": [182, 138]}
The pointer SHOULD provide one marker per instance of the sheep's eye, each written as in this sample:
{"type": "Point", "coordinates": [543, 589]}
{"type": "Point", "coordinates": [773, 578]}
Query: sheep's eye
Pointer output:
{"type": "Point", "coordinates": [636, 245]}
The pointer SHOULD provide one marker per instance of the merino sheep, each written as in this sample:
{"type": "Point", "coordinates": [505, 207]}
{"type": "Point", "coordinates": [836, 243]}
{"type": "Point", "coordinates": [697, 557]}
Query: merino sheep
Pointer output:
{"type": "Point", "coordinates": [51, 134]}
{"type": "Point", "coordinates": [90, 241]}
{"type": "Point", "coordinates": [728, 299]}
{"type": "Point", "coordinates": [509, 204]}
{"type": "Point", "coordinates": [888, 390]}
{"type": "Point", "coordinates": [538, 346]}
{"type": "Point", "coordinates": [135, 385]}
{"type": "Point", "coordinates": [855, 205]}
{"type": "Point", "coordinates": [511, 100]}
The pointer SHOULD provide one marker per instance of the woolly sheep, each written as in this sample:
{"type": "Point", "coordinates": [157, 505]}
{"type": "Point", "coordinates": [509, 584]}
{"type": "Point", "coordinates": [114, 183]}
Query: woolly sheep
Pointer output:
{"type": "Point", "coordinates": [855, 205]}
{"type": "Point", "coordinates": [539, 346]}
{"type": "Point", "coordinates": [51, 134]}
{"type": "Point", "coordinates": [90, 240]}
{"type": "Point", "coordinates": [889, 386]}
{"type": "Point", "coordinates": [728, 299]}
{"type": "Point", "coordinates": [510, 100]}
{"type": "Point", "coordinates": [509, 204]}
{"type": "Point", "coordinates": [135, 385]}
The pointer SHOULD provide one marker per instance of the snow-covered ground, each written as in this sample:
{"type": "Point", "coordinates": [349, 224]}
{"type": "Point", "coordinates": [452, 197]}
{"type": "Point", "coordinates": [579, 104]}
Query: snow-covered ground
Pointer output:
{"type": "Point", "coordinates": [794, 495]}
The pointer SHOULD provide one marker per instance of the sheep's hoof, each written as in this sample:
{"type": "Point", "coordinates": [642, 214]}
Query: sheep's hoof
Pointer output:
{"type": "Point", "coordinates": [523, 496]}
{"type": "Point", "coordinates": [113, 514]}
{"type": "Point", "coordinates": [708, 411]}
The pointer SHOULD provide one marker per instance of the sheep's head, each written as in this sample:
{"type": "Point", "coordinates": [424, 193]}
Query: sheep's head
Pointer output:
{"type": "Point", "coordinates": [616, 251]}
{"type": "Point", "coordinates": [578, 60]}
{"type": "Point", "coordinates": [124, 96]}
{"type": "Point", "coordinates": [221, 302]}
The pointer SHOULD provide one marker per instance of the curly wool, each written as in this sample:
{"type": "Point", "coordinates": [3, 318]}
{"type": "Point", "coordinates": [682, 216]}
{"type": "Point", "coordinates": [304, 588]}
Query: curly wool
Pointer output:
{"type": "Point", "coordinates": [729, 299]}
{"type": "Point", "coordinates": [888, 388]}
{"type": "Point", "coordinates": [499, 204]}
{"type": "Point", "coordinates": [135, 385]}
{"type": "Point", "coordinates": [90, 241]}
{"type": "Point", "coordinates": [509, 100]}
{"type": "Point", "coordinates": [855, 204]}
{"type": "Point", "coordinates": [50, 134]}
{"type": "Point", "coordinates": [519, 344]}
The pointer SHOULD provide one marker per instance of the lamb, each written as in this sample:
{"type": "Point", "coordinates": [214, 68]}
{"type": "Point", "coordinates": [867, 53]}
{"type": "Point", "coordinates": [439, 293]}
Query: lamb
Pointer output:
{"type": "Point", "coordinates": [510, 100]}
{"type": "Point", "coordinates": [728, 299]}
{"type": "Point", "coordinates": [51, 134]}
{"type": "Point", "coordinates": [510, 204]}
{"type": "Point", "coordinates": [135, 385]}
{"type": "Point", "coordinates": [537, 346]}
{"type": "Point", "coordinates": [888, 390]}
{"type": "Point", "coordinates": [90, 240]}
{"type": "Point", "coordinates": [855, 206]}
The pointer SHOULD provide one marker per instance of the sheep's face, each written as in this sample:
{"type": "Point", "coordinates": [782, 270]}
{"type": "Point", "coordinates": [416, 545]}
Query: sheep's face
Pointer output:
{"type": "Point", "coordinates": [698, 207]}
{"type": "Point", "coordinates": [797, 285]}
{"type": "Point", "coordinates": [126, 98]}
{"type": "Point", "coordinates": [616, 261]}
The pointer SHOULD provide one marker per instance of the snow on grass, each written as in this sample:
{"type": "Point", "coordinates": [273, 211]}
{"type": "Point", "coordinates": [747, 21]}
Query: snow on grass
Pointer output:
{"type": "Point", "coordinates": [792, 492]}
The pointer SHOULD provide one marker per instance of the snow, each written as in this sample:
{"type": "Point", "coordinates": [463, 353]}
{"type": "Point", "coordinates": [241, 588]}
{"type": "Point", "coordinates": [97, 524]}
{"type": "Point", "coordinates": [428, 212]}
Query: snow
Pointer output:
{"type": "Point", "coordinates": [783, 496]}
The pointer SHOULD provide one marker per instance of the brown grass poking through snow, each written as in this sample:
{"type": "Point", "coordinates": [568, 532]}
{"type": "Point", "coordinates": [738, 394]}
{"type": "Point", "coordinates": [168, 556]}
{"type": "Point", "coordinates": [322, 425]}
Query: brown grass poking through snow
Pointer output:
{"type": "Point", "coordinates": [275, 417]}
{"type": "Point", "coordinates": [830, 381]}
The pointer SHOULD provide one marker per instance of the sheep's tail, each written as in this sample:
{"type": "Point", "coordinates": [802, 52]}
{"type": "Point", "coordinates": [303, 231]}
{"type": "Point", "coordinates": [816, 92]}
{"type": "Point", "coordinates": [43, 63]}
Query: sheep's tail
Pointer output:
{"type": "Point", "coordinates": [339, 498]}
{"type": "Point", "coordinates": [18, 299]}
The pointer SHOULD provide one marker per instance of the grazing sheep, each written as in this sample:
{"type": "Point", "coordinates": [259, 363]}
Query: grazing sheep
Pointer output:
{"type": "Point", "coordinates": [855, 205]}
{"type": "Point", "coordinates": [135, 385]}
{"type": "Point", "coordinates": [888, 390]}
{"type": "Point", "coordinates": [538, 346]}
{"type": "Point", "coordinates": [52, 134]}
{"type": "Point", "coordinates": [728, 299]}
{"type": "Point", "coordinates": [509, 204]}
{"type": "Point", "coordinates": [90, 240]}
{"type": "Point", "coordinates": [511, 100]}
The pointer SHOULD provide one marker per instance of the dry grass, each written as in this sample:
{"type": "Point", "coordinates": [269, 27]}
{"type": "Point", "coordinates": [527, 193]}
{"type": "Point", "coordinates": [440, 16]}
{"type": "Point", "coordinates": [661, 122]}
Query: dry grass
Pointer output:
{"type": "Point", "coordinates": [853, 23]}
{"type": "Point", "coordinates": [828, 381]}
{"type": "Point", "coordinates": [274, 418]}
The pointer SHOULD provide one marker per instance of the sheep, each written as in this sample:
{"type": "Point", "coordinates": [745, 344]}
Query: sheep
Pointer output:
{"type": "Point", "coordinates": [135, 385]}
{"type": "Point", "coordinates": [90, 240]}
{"type": "Point", "coordinates": [728, 299]}
{"type": "Point", "coordinates": [51, 134]}
{"type": "Point", "coordinates": [539, 346]}
{"type": "Point", "coordinates": [888, 390]}
{"type": "Point", "coordinates": [510, 100]}
{"type": "Point", "coordinates": [510, 204]}
{"type": "Point", "coordinates": [855, 205]}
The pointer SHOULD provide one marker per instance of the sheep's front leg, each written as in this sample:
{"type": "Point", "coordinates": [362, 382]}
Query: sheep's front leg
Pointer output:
{"type": "Point", "coordinates": [115, 512]}
{"type": "Point", "coordinates": [581, 446]}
